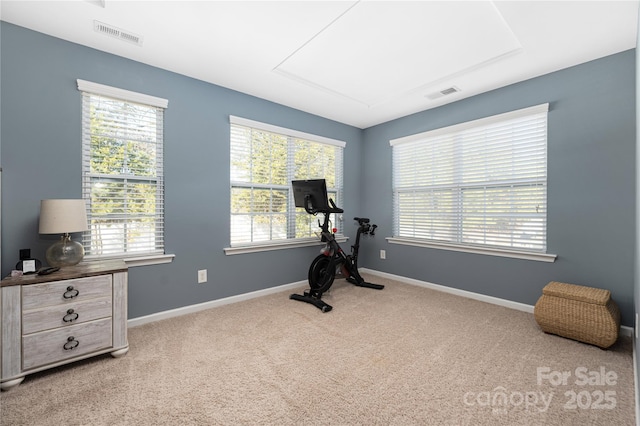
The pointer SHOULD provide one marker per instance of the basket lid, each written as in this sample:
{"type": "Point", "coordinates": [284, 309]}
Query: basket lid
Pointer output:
{"type": "Point", "coordinates": [597, 296]}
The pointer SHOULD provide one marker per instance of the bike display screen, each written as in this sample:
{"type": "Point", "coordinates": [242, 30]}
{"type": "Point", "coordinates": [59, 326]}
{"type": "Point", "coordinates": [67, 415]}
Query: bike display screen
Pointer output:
{"type": "Point", "coordinates": [312, 191]}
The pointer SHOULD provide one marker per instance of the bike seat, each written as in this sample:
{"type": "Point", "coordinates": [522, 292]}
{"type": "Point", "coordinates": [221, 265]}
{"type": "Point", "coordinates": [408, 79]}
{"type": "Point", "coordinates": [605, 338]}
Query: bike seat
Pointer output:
{"type": "Point", "coordinates": [361, 220]}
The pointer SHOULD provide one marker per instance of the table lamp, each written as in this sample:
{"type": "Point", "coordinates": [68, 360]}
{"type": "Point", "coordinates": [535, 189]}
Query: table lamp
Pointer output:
{"type": "Point", "coordinates": [63, 217]}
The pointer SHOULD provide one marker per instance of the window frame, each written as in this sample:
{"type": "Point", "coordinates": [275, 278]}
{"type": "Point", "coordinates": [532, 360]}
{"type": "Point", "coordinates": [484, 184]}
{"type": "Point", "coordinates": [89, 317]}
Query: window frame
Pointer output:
{"type": "Point", "coordinates": [291, 135]}
{"type": "Point", "coordinates": [477, 248]}
{"type": "Point", "coordinates": [135, 258]}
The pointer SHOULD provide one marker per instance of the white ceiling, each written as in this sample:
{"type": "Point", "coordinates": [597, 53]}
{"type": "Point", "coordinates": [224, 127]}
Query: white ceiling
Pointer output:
{"type": "Point", "coordinates": [357, 62]}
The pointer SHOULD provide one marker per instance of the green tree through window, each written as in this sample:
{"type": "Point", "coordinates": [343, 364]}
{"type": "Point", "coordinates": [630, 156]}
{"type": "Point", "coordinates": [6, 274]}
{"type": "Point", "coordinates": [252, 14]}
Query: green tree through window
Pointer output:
{"type": "Point", "coordinates": [263, 164]}
{"type": "Point", "coordinates": [122, 172]}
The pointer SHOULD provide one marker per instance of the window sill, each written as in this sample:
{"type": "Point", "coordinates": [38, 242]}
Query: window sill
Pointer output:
{"type": "Point", "coordinates": [149, 260]}
{"type": "Point", "coordinates": [490, 251]}
{"type": "Point", "coordinates": [256, 248]}
{"type": "Point", "coordinates": [152, 259]}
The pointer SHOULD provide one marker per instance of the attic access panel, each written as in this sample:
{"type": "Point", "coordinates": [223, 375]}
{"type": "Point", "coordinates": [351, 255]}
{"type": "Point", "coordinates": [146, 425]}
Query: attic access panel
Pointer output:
{"type": "Point", "coordinates": [377, 51]}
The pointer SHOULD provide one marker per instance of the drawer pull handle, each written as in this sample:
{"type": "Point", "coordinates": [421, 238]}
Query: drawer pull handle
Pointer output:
{"type": "Point", "coordinates": [71, 316]}
{"type": "Point", "coordinates": [70, 293]}
{"type": "Point", "coordinates": [71, 343]}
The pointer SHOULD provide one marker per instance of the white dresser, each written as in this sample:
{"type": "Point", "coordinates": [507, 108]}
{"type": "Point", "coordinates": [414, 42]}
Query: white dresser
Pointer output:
{"type": "Point", "coordinates": [72, 314]}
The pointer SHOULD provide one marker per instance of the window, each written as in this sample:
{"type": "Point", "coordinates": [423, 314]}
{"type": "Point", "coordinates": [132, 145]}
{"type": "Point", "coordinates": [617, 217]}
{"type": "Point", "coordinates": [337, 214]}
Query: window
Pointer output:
{"type": "Point", "coordinates": [122, 168]}
{"type": "Point", "coordinates": [264, 161]}
{"type": "Point", "coordinates": [477, 184]}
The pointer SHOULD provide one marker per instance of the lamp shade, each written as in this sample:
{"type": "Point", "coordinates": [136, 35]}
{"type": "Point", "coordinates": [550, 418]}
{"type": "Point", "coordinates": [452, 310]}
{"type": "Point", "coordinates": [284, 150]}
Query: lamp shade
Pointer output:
{"type": "Point", "coordinates": [62, 216]}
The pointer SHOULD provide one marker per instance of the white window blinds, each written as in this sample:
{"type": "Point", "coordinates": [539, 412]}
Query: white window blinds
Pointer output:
{"type": "Point", "coordinates": [122, 163]}
{"type": "Point", "coordinates": [264, 160]}
{"type": "Point", "coordinates": [482, 183]}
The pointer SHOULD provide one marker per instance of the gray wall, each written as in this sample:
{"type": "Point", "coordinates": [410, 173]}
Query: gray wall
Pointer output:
{"type": "Point", "coordinates": [591, 187]}
{"type": "Point", "coordinates": [591, 175]}
{"type": "Point", "coordinates": [41, 158]}
{"type": "Point", "coordinates": [636, 286]}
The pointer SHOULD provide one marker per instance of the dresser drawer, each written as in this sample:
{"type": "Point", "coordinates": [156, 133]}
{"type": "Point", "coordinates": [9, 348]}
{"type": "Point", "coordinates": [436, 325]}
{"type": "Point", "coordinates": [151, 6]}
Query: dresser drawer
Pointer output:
{"type": "Point", "coordinates": [65, 292]}
{"type": "Point", "coordinates": [65, 315]}
{"type": "Point", "coordinates": [52, 346]}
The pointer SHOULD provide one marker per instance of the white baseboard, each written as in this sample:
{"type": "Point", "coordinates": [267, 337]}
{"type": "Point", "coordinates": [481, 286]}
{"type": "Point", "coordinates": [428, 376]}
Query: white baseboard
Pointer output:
{"type": "Point", "coordinates": [134, 322]}
{"type": "Point", "coordinates": [624, 330]}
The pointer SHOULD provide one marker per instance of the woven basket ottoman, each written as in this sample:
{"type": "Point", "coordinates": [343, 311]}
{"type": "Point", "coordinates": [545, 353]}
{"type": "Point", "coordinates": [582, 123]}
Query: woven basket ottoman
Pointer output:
{"type": "Point", "coordinates": [580, 313]}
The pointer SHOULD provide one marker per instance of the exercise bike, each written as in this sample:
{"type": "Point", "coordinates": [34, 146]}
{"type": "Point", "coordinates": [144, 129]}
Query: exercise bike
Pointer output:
{"type": "Point", "coordinates": [332, 260]}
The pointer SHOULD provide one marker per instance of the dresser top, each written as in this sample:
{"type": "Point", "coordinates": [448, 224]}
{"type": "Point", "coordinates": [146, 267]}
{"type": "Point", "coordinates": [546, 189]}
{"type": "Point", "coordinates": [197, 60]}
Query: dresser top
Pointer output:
{"type": "Point", "coordinates": [83, 269]}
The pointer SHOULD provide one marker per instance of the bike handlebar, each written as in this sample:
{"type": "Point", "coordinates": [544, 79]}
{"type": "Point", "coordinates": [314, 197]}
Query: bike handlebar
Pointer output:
{"type": "Point", "coordinates": [334, 208]}
{"type": "Point", "coordinates": [308, 207]}
{"type": "Point", "coordinates": [365, 228]}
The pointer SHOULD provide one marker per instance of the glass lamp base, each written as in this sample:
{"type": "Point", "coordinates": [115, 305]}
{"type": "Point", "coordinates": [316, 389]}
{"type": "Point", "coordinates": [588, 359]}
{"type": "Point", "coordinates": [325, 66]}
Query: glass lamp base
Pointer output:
{"type": "Point", "coordinates": [65, 252]}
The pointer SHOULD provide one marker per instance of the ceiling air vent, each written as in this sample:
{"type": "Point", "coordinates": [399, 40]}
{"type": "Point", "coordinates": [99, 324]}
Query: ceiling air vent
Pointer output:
{"type": "Point", "coordinates": [112, 31]}
{"type": "Point", "coordinates": [444, 92]}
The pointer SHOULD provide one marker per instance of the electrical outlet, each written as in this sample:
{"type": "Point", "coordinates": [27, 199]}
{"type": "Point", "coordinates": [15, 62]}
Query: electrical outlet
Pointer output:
{"type": "Point", "coordinates": [202, 276]}
{"type": "Point", "coordinates": [383, 254]}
